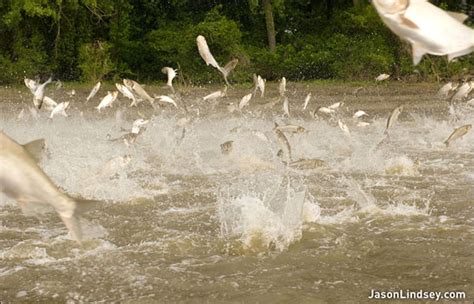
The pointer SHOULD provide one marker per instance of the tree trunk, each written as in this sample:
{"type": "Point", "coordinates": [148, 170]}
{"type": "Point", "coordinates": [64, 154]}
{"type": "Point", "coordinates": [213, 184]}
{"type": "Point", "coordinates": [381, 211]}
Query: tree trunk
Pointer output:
{"type": "Point", "coordinates": [268, 10]}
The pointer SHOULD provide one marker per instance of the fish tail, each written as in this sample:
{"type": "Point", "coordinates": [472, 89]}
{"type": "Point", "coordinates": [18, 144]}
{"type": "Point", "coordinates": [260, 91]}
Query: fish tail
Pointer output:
{"type": "Point", "coordinates": [70, 217]}
{"type": "Point", "coordinates": [446, 143]}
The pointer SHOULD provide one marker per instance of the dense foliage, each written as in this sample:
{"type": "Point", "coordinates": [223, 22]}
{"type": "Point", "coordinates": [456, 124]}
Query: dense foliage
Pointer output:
{"type": "Point", "coordinates": [109, 39]}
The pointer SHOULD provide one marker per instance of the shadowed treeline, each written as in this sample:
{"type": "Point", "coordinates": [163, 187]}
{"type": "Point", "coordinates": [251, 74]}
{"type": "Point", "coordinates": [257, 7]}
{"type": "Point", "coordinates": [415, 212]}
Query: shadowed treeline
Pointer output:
{"type": "Point", "coordinates": [90, 40]}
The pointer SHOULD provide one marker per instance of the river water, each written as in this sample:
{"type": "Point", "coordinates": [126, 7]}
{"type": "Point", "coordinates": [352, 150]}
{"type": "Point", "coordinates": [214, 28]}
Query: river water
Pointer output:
{"type": "Point", "coordinates": [182, 222]}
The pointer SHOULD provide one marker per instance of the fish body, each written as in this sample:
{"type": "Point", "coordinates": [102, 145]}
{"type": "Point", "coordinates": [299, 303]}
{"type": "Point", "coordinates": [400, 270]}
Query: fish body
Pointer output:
{"type": "Point", "coordinates": [49, 103]}
{"type": "Point", "coordinates": [428, 28]}
{"type": "Point", "coordinates": [39, 93]}
{"type": "Point", "coordinates": [94, 91]}
{"type": "Point", "coordinates": [138, 89]}
{"type": "Point", "coordinates": [284, 144]}
{"type": "Point", "coordinates": [462, 91]}
{"type": "Point", "coordinates": [127, 93]}
{"type": "Point", "coordinates": [393, 117]}
{"type": "Point", "coordinates": [382, 77]}
{"type": "Point", "coordinates": [60, 109]}
{"type": "Point", "coordinates": [167, 99]}
{"type": "Point", "coordinates": [336, 105]}
{"type": "Point", "coordinates": [261, 85]}
{"type": "Point", "coordinates": [214, 95]}
{"type": "Point", "coordinates": [107, 100]}
{"type": "Point", "coordinates": [306, 101]}
{"type": "Point", "coordinates": [31, 84]}
{"type": "Point", "coordinates": [343, 127]}
{"type": "Point", "coordinates": [206, 55]}
{"type": "Point", "coordinates": [171, 73]}
{"type": "Point", "coordinates": [282, 87]}
{"type": "Point", "coordinates": [457, 133]}
{"type": "Point", "coordinates": [138, 124]}
{"type": "Point", "coordinates": [359, 114]}
{"type": "Point", "coordinates": [446, 89]}
{"type": "Point", "coordinates": [244, 101]}
{"type": "Point", "coordinates": [23, 180]}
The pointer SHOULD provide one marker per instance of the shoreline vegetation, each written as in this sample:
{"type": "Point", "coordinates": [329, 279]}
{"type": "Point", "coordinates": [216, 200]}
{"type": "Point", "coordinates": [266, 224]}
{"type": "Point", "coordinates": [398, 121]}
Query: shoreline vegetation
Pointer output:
{"type": "Point", "coordinates": [91, 40]}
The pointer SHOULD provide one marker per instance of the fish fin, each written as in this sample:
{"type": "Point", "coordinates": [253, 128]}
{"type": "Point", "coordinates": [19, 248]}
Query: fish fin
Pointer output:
{"type": "Point", "coordinates": [460, 53]}
{"type": "Point", "coordinates": [418, 53]}
{"type": "Point", "coordinates": [408, 22]}
{"type": "Point", "coordinates": [458, 16]}
{"type": "Point", "coordinates": [36, 149]}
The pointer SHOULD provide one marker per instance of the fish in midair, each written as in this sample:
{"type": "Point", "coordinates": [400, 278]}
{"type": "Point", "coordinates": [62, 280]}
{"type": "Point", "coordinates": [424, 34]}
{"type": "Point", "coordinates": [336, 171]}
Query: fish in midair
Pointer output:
{"type": "Point", "coordinates": [244, 101]}
{"type": "Point", "coordinates": [382, 77]}
{"type": "Point", "coordinates": [127, 93]}
{"type": "Point", "coordinates": [393, 117]}
{"type": "Point", "coordinates": [31, 84]}
{"type": "Point", "coordinates": [359, 114]}
{"type": "Point", "coordinates": [446, 89]}
{"type": "Point", "coordinates": [462, 91]}
{"type": "Point", "coordinates": [336, 105]}
{"type": "Point", "coordinates": [206, 55]}
{"type": "Point", "coordinates": [167, 99]}
{"type": "Point", "coordinates": [94, 91]}
{"type": "Point", "coordinates": [306, 101]}
{"type": "Point", "coordinates": [107, 100]}
{"type": "Point", "coordinates": [171, 73]}
{"type": "Point", "coordinates": [261, 85]}
{"type": "Point", "coordinates": [138, 89]}
{"type": "Point", "coordinates": [324, 110]}
{"type": "Point", "coordinates": [282, 87]}
{"type": "Point", "coordinates": [23, 180]}
{"type": "Point", "coordinates": [60, 109]}
{"type": "Point", "coordinates": [457, 133]}
{"type": "Point", "coordinates": [49, 103]}
{"type": "Point", "coordinates": [228, 68]}
{"type": "Point", "coordinates": [39, 93]}
{"type": "Point", "coordinates": [284, 144]}
{"type": "Point", "coordinates": [428, 28]}
{"type": "Point", "coordinates": [286, 107]}
{"type": "Point", "coordinates": [216, 94]}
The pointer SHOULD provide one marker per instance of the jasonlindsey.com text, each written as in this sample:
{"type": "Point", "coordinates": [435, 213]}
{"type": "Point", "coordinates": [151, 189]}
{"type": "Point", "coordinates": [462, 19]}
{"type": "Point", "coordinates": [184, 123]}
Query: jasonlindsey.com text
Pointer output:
{"type": "Point", "coordinates": [416, 295]}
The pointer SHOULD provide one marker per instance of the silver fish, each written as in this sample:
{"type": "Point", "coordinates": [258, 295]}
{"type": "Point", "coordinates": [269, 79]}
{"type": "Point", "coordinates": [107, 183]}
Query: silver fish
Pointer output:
{"type": "Point", "coordinates": [393, 117]}
{"type": "Point", "coordinates": [23, 180]}
{"type": "Point", "coordinates": [457, 133]}
{"type": "Point", "coordinates": [428, 28]}
{"type": "Point", "coordinates": [94, 91]}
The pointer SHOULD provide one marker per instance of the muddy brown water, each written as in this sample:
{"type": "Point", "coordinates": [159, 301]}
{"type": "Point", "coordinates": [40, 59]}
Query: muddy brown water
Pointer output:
{"type": "Point", "coordinates": [181, 222]}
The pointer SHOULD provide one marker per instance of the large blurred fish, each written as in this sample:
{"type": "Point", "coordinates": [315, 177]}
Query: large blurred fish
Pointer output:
{"type": "Point", "coordinates": [429, 29]}
{"type": "Point", "coordinates": [23, 180]}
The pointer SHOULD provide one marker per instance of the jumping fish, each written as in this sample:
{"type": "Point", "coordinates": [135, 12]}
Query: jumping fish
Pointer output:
{"type": "Point", "coordinates": [39, 93]}
{"type": "Point", "coordinates": [94, 91]}
{"type": "Point", "coordinates": [138, 89]}
{"type": "Point", "coordinates": [457, 133]}
{"type": "Point", "coordinates": [382, 77]}
{"type": "Point", "coordinates": [446, 89]}
{"type": "Point", "coordinates": [216, 94]}
{"type": "Point", "coordinates": [284, 143]}
{"type": "Point", "coordinates": [31, 84]}
{"type": "Point", "coordinates": [127, 93]}
{"type": "Point", "coordinates": [171, 73]}
{"type": "Point", "coordinates": [167, 99]}
{"type": "Point", "coordinates": [60, 109]}
{"type": "Point", "coordinates": [306, 101]}
{"type": "Point", "coordinates": [462, 91]}
{"type": "Point", "coordinates": [49, 103]}
{"type": "Point", "coordinates": [107, 100]}
{"type": "Point", "coordinates": [206, 55]}
{"type": "Point", "coordinates": [23, 180]}
{"type": "Point", "coordinates": [359, 114]}
{"type": "Point", "coordinates": [286, 107]}
{"type": "Point", "coordinates": [428, 28]}
{"type": "Point", "coordinates": [282, 87]}
{"type": "Point", "coordinates": [393, 117]}
{"type": "Point", "coordinates": [244, 101]}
